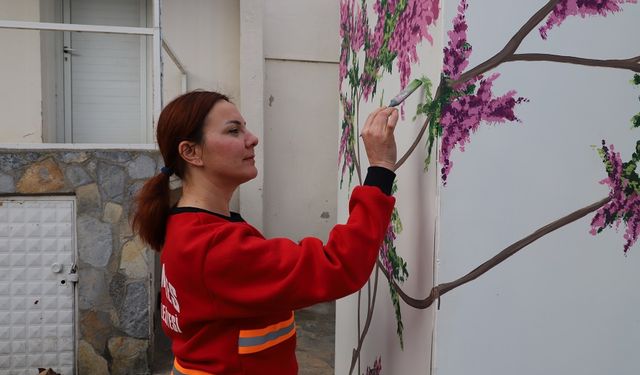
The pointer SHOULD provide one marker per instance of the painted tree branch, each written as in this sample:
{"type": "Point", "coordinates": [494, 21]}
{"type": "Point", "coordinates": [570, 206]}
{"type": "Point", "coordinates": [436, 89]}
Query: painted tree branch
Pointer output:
{"type": "Point", "coordinates": [632, 64]}
{"type": "Point", "coordinates": [508, 50]}
{"type": "Point", "coordinates": [441, 289]}
{"type": "Point", "coordinates": [419, 136]}
{"type": "Point", "coordinates": [511, 46]}
{"type": "Point", "coordinates": [507, 54]}
{"type": "Point", "coordinates": [356, 351]}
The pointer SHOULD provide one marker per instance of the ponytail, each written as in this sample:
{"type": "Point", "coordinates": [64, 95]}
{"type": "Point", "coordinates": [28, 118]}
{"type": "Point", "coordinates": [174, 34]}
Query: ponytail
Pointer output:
{"type": "Point", "coordinates": [152, 211]}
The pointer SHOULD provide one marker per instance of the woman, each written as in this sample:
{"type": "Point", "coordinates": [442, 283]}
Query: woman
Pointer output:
{"type": "Point", "coordinates": [227, 292]}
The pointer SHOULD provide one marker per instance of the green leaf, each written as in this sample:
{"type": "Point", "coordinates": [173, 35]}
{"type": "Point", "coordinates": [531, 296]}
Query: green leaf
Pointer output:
{"type": "Point", "coordinates": [635, 121]}
{"type": "Point", "coordinates": [430, 142]}
{"type": "Point", "coordinates": [423, 107]}
{"type": "Point", "coordinates": [470, 90]}
{"type": "Point", "coordinates": [396, 222]}
{"type": "Point", "coordinates": [636, 79]}
{"type": "Point", "coordinates": [395, 299]}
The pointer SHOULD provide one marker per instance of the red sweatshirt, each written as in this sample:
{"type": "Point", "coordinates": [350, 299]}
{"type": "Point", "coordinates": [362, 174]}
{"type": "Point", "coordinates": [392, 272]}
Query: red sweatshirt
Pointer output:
{"type": "Point", "coordinates": [228, 293]}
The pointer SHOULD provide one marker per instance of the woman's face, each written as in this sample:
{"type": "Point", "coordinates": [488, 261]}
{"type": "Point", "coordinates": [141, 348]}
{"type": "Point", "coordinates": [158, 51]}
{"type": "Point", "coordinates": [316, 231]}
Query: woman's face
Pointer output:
{"type": "Point", "coordinates": [228, 146]}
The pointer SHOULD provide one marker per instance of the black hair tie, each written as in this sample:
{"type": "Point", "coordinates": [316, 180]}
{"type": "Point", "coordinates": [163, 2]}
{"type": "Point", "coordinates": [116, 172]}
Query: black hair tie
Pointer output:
{"type": "Point", "coordinates": [166, 170]}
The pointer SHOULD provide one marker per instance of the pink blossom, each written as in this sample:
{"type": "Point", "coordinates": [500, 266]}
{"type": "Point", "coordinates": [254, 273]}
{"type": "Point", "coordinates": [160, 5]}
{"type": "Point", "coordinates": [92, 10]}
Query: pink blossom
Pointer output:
{"type": "Point", "coordinates": [378, 32]}
{"type": "Point", "coordinates": [624, 204]}
{"type": "Point", "coordinates": [582, 8]}
{"type": "Point", "coordinates": [377, 368]}
{"type": "Point", "coordinates": [457, 51]}
{"type": "Point", "coordinates": [345, 152]}
{"type": "Point", "coordinates": [345, 34]}
{"type": "Point", "coordinates": [360, 28]}
{"type": "Point", "coordinates": [389, 238]}
{"type": "Point", "coordinates": [369, 76]}
{"type": "Point", "coordinates": [463, 115]}
{"type": "Point", "coordinates": [411, 29]}
{"type": "Point", "coordinates": [464, 112]}
{"type": "Point", "coordinates": [354, 29]}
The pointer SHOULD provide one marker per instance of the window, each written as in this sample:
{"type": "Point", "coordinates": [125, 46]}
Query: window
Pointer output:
{"type": "Point", "coordinates": [88, 72]}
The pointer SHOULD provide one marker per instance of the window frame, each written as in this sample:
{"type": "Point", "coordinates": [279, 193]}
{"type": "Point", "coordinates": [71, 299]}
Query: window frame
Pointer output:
{"type": "Point", "coordinates": [154, 31]}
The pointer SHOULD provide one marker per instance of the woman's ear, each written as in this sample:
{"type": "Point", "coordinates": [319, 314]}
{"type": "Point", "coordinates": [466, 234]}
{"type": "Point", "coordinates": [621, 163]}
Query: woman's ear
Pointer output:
{"type": "Point", "coordinates": [191, 153]}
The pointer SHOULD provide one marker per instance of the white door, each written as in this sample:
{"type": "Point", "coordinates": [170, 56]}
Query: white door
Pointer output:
{"type": "Point", "coordinates": [105, 74]}
{"type": "Point", "coordinates": [37, 284]}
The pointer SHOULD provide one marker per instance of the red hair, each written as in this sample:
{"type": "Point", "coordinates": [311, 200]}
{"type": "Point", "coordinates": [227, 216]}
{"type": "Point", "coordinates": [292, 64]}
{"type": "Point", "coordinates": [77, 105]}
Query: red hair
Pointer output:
{"type": "Point", "coordinates": [181, 120]}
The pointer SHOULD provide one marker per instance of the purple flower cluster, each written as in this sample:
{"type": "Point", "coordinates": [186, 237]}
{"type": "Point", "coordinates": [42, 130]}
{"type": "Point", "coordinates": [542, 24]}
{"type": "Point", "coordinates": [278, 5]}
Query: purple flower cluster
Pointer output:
{"type": "Point", "coordinates": [377, 37]}
{"type": "Point", "coordinates": [389, 238]}
{"type": "Point", "coordinates": [352, 33]}
{"type": "Point", "coordinates": [369, 78]}
{"type": "Point", "coordinates": [412, 27]}
{"type": "Point", "coordinates": [462, 117]}
{"type": "Point", "coordinates": [457, 51]}
{"type": "Point", "coordinates": [345, 32]}
{"type": "Point", "coordinates": [625, 201]}
{"type": "Point", "coordinates": [377, 368]}
{"type": "Point", "coordinates": [466, 107]}
{"type": "Point", "coordinates": [583, 8]}
{"type": "Point", "coordinates": [345, 156]}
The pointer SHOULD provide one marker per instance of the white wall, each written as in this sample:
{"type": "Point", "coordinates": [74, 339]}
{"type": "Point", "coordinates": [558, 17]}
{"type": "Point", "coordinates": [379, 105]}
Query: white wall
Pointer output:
{"type": "Point", "coordinates": [417, 206]}
{"type": "Point", "coordinates": [20, 92]}
{"type": "Point", "coordinates": [567, 304]}
{"type": "Point", "coordinates": [205, 35]}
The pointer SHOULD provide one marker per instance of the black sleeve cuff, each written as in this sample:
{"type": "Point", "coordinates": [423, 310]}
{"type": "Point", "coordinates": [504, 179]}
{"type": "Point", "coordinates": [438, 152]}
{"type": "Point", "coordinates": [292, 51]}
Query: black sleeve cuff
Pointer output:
{"type": "Point", "coordinates": [380, 177]}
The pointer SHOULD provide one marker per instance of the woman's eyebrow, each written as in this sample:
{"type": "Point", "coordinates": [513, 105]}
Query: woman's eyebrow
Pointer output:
{"type": "Point", "coordinates": [234, 122]}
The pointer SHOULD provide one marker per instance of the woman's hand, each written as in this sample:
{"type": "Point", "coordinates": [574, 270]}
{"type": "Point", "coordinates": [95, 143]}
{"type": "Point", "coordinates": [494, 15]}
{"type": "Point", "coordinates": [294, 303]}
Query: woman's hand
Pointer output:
{"type": "Point", "coordinates": [378, 138]}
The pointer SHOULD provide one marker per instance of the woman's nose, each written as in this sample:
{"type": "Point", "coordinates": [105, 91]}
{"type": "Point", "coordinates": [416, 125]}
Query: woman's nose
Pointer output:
{"type": "Point", "coordinates": [252, 140]}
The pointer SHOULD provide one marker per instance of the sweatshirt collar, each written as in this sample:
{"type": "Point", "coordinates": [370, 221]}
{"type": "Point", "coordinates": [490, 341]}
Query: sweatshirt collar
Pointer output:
{"type": "Point", "coordinates": [235, 217]}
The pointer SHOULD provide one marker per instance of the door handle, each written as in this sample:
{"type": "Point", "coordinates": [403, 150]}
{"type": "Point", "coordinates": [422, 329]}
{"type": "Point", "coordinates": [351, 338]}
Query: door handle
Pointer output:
{"type": "Point", "coordinates": [68, 50]}
{"type": "Point", "coordinates": [73, 273]}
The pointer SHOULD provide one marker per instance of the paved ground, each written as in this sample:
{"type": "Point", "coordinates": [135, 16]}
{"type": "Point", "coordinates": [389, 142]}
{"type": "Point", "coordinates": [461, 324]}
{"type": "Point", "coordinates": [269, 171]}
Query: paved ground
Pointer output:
{"type": "Point", "coordinates": [315, 331]}
{"type": "Point", "coordinates": [316, 337]}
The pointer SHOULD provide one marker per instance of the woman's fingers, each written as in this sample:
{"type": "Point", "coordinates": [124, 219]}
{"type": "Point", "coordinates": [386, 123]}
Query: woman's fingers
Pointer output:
{"type": "Point", "coordinates": [377, 121]}
{"type": "Point", "coordinates": [392, 121]}
{"type": "Point", "coordinates": [378, 137]}
{"type": "Point", "coordinates": [370, 119]}
{"type": "Point", "coordinates": [383, 120]}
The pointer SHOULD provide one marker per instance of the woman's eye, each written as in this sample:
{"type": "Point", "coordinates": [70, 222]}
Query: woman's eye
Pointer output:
{"type": "Point", "coordinates": [234, 131]}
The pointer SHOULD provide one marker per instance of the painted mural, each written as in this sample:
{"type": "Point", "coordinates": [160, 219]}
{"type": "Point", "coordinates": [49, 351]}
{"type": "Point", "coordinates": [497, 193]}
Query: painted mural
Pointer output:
{"type": "Point", "coordinates": [383, 40]}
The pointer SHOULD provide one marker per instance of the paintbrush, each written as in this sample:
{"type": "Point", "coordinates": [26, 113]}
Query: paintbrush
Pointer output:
{"type": "Point", "coordinates": [413, 86]}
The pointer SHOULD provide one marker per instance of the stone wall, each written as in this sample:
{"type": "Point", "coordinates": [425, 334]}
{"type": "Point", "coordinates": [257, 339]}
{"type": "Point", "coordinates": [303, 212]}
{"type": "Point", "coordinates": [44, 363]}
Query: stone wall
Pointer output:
{"type": "Point", "coordinates": [115, 268]}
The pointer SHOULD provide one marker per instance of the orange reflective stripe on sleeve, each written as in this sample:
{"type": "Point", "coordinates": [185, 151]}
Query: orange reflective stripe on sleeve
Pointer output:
{"type": "Point", "coordinates": [179, 370]}
{"type": "Point", "coordinates": [255, 340]}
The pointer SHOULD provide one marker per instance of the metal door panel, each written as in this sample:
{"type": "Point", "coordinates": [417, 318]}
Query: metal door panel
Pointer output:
{"type": "Point", "coordinates": [37, 310]}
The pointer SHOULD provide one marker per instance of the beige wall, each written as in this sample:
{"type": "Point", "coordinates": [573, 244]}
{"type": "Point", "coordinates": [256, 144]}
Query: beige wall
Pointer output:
{"type": "Point", "coordinates": [302, 29]}
{"type": "Point", "coordinates": [300, 117]}
{"type": "Point", "coordinates": [20, 91]}
{"type": "Point", "coordinates": [205, 35]}
{"type": "Point", "coordinates": [300, 144]}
